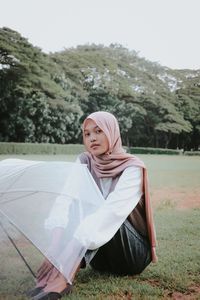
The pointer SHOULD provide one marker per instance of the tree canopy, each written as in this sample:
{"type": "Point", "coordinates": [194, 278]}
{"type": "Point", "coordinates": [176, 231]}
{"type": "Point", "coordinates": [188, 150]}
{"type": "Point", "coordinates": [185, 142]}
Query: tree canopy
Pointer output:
{"type": "Point", "coordinates": [44, 97]}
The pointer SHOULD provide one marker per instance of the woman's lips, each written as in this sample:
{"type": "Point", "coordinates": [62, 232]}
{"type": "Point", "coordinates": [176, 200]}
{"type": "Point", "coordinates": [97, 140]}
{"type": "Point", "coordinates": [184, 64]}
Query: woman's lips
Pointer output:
{"type": "Point", "coordinates": [94, 146]}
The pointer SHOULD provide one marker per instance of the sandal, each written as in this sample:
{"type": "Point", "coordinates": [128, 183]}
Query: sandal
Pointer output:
{"type": "Point", "coordinates": [34, 292]}
{"type": "Point", "coordinates": [48, 296]}
{"type": "Point", "coordinates": [53, 295]}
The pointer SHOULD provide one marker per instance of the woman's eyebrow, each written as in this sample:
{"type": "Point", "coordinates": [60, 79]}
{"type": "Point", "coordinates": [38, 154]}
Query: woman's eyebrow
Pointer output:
{"type": "Point", "coordinates": [96, 127]}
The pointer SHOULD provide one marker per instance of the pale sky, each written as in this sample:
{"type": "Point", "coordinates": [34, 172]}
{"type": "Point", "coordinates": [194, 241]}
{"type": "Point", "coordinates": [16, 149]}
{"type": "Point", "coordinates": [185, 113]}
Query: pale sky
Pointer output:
{"type": "Point", "coordinates": [163, 31]}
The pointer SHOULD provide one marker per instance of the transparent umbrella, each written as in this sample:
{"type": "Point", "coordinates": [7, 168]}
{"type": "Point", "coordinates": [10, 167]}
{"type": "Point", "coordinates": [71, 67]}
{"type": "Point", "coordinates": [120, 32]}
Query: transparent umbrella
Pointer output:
{"type": "Point", "coordinates": [38, 197]}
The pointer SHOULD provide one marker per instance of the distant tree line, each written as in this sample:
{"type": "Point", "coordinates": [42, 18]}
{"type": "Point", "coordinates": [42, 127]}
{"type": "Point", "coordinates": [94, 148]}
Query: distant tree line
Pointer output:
{"type": "Point", "coordinates": [44, 98]}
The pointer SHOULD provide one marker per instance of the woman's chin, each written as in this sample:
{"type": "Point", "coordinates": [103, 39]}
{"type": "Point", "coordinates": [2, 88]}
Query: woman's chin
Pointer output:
{"type": "Point", "coordinates": [96, 152]}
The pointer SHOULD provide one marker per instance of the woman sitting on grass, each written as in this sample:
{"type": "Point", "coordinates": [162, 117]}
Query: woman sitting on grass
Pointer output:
{"type": "Point", "coordinates": [124, 242]}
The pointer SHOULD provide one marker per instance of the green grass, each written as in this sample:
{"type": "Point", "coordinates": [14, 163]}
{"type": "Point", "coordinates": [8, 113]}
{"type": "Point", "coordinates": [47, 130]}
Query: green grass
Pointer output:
{"type": "Point", "coordinates": [178, 268]}
{"type": "Point", "coordinates": [40, 157]}
{"type": "Point", "coordinates": [173, 171]}
{"type": "Point", "coordinates": [164, 170]}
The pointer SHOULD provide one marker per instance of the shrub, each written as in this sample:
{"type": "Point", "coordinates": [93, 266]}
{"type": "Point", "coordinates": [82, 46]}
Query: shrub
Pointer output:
{"type": "Point", "coordinates": [148, 150]}
{"type": "Point", "coordinates": [43, 148]}
{"type": "Point", "coordinates": [192, 153]}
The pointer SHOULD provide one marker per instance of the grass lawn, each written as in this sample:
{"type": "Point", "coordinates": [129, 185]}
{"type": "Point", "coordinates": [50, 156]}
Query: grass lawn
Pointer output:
{"type": "Point", "coordinates": [175, 194]}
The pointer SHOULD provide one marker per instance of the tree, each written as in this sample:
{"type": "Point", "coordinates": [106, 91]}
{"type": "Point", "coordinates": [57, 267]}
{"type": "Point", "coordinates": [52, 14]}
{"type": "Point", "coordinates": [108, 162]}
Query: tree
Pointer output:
{"type": "Point", "coordinates": [44, 97]}
{"type": "Point", "coordinates": [189, 104]}
{"type": "Point", "coordinates": [33, 93]}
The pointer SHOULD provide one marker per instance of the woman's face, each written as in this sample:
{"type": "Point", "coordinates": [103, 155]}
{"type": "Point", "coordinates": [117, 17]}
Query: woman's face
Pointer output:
{"type": "Point", "coordinates": [95, 139]}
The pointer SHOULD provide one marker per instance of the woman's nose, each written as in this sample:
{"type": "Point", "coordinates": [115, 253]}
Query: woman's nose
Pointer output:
{"type": "Point", "coordinates": [92, 138]}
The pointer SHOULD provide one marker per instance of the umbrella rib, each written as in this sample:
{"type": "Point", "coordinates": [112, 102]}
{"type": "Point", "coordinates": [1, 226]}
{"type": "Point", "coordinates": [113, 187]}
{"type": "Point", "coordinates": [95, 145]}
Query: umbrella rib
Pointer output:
{"type": "Point", "coordinates": [19, 197]}
{"type": "Point", "coordinates": [31, 193]}
{"type": "Point", "coordinates": [17, 249]}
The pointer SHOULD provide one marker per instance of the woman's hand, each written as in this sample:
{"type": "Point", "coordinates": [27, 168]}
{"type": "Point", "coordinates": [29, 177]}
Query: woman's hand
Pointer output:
{"type": "Point", "coordinates": [44, 269]}
{"type": "Point", "coordinates": [47, 266]}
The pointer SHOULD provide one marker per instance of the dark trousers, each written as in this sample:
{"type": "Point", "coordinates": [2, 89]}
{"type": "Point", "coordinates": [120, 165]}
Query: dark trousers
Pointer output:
{"type": "Point", "coordinates": [127, 253]}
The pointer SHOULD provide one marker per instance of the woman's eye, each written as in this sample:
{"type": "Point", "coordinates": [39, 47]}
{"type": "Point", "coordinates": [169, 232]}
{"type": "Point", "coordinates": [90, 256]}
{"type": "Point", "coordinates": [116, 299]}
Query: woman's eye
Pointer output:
{"type": "Point", "coordinates": [98, 131]}
{"type": "Point", "coordinates": [87, 134]}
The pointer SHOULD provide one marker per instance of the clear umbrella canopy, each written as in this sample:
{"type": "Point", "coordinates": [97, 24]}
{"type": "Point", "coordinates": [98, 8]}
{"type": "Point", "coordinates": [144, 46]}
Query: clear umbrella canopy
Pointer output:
{"type": "Point", "coordinates": [40, 197]}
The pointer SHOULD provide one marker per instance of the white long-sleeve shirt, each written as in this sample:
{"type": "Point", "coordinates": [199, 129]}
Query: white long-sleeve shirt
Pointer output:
{"type": "Point", "coordinates": [99, 227]}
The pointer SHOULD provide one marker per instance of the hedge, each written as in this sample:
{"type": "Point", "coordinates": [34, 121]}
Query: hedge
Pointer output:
{"type": "Point", "coordinates": [191, 153]}
{"type": "Point", "coordinates": [35, 148]}
{"type": "Point", "coordinates": [148, 150]}
{"type": "Point", "coordinates": [45, 148]}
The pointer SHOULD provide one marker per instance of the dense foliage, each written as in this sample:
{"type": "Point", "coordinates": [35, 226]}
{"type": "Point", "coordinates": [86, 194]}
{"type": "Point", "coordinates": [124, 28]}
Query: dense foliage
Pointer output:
{"type": "Point", "coordinates": [43, 98]}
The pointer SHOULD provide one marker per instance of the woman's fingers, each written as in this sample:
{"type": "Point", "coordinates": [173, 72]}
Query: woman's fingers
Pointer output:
{"type": "Point", "coordinates": [44, 269]}
{"type": "Point", "coordinates": [43, 272]}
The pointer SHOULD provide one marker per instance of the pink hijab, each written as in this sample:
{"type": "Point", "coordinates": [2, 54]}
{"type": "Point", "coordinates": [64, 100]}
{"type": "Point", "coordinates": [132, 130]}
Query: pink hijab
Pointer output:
{"type": "Point", "coordinates": [116, 161]}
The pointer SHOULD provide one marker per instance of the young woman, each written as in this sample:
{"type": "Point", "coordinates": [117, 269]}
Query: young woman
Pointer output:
{"type": "Point", "coordinates": [122, 231]}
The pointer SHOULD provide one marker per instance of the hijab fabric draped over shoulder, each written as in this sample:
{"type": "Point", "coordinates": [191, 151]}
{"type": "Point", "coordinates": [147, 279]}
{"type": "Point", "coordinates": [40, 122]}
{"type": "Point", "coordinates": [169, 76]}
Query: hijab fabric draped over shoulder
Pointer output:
{"type": "Point", "coordinates": [116, 160]}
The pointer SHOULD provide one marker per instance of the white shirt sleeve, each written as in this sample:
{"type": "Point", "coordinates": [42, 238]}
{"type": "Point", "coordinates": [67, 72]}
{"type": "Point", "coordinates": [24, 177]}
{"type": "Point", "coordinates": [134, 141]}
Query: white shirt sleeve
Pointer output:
{"type": "Point", "coordinates": [98, 228]}
{"type": "Point", "coordinates": [58, 216]}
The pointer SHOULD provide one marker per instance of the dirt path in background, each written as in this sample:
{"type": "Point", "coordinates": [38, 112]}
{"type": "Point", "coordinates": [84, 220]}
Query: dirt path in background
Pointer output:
{"type": "Point", "coordinates": [193, 293]}
{"type": "Point", "coordinates": [182, 199]}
